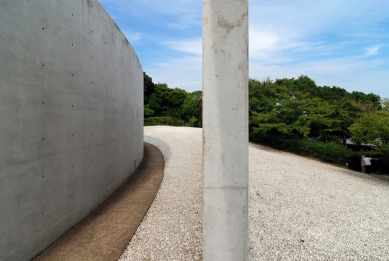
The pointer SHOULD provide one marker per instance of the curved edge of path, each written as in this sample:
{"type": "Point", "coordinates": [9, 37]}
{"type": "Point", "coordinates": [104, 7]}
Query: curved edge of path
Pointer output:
{"type": "Point", "coordinates": [106, 231]}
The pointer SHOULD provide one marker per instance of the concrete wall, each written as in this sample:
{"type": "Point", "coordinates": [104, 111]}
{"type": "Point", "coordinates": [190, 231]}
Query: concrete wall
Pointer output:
{"type": "Point", "coordinates": [71, 118]}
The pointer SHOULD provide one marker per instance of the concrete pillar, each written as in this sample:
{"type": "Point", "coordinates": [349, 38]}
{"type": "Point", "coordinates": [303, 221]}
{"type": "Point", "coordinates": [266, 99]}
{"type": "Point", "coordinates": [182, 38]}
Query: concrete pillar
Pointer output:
{"type": "Point", "coordinates": [225, 130]}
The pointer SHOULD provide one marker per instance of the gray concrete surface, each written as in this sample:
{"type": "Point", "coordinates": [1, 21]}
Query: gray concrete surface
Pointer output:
{"type": "Point", "coordinates": [225, 133]}
{"type": "Point", "coordinates": [71, 111]}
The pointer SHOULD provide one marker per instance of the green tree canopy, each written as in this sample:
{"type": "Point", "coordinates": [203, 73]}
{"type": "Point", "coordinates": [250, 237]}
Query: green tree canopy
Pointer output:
{"type": "Point", "coordinates": [148, 87]}
{"type": "Point", "coordinates": [300, 108]}
{"type": "Point", "coordinates": [167, 105]}
{"type": "Point", "coordinates": [372, 128]}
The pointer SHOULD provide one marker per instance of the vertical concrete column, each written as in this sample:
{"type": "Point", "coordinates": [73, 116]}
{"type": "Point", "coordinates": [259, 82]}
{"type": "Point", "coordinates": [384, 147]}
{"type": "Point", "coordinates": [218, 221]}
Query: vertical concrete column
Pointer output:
{"type": "Point", "coordinates": [225, 130]}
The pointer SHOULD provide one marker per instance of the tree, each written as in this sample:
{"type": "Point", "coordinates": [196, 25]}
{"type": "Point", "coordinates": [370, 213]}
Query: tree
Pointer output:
{"type": "Point", "coordinates": [344, 113]}
{"type": "Point", "coordinates": [372, 128]}
{"type": "Point", "coordinates": [197, 100]}
{"type": "Point", "coordinates": [148, 87]}
{"type": "Point", "coordinates": [367, 102]}
{"type": "Point", "coordinates": [385, 104]}
{"type": "Point", "coordinates": [171, 106]}
{"type": "Point", "coordinates": [188, 109]}
{"type": "Point", "coordinates": [147, 111]}
{"type": "Point", "coordinates": [160, 100]}
{"type": "Point", "coordinates": [280, 108]}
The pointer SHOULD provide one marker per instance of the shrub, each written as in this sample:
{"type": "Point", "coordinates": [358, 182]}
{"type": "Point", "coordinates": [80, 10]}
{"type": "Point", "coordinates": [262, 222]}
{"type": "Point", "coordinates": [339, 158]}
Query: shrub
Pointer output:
{"type": "Point", "coordinates": [166, 120]}
{"type": "Point", "coordinates": [331, 152]}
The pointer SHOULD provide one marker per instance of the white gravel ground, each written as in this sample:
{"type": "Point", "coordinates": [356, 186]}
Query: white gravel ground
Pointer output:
{"type": "Point", "coordinates": [299, 209]}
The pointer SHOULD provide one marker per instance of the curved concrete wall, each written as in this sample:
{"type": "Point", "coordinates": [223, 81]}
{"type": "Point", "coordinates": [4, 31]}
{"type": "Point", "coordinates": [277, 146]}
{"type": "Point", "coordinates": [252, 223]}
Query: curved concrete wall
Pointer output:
{"type": "Point", "coordinates": [71, 118]}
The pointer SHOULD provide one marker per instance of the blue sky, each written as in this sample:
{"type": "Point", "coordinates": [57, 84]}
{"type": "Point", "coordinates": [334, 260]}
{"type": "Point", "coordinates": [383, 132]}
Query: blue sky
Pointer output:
{"type": "Point", "coordinates": [342, 43]}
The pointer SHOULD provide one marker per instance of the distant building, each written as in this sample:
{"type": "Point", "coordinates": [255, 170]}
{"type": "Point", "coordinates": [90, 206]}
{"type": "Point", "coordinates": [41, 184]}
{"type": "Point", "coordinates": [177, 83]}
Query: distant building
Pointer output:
{"type": "Point", "coordinates": [357, 147]}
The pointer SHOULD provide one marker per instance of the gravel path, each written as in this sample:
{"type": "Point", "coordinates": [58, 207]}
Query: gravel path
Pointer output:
{"type": "Point", "coordinates": [299, 209]}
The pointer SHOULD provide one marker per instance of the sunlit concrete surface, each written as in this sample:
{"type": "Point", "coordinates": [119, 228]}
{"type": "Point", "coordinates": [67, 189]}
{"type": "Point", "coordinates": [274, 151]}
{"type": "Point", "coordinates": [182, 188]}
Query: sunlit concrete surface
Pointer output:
{"type": "Point", "coordinates": [71, 110]}
{"type": "Point", "coordinates": [225, 130]}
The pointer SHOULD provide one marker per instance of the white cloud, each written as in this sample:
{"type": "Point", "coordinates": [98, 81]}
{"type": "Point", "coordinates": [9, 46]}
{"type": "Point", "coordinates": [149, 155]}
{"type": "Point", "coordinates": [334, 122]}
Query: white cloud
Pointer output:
{"type": "Point", "coordinates": [328, 41]}
{"type": "Point", "coordinates": [263, 43]}
{"type": "Point", "coordinates": [371, 51]}
{"type": "Point", "coordinates": [184, 73]}
{"type": "Point", "coordinates": [186, 46]}
{"type": "Point", "coordinates": [271, 46]}
{"type": "Point", "coordinates": [306, 17]}
{"type": "Point", "coordinates": [348, 73]}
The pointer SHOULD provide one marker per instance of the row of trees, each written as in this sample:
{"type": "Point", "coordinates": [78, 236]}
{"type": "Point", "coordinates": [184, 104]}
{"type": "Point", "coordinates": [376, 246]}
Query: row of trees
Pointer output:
{"type": "Point", "coordinates": [290, 114]}
{"type": "Point", "coordinates": [298, 108]}
{"type": "Point", "coordinates": [163, 105]}
{"type": "Point", "coordinates": [298, 115]}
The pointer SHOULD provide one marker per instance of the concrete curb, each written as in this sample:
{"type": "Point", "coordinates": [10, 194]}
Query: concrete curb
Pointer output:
{"type": "Point", "coordinates": [106, 231]}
